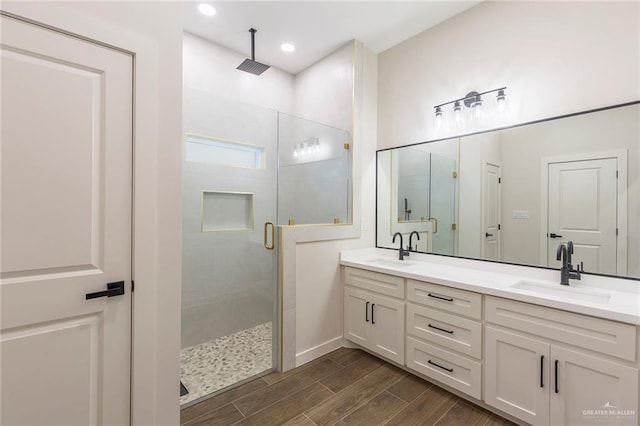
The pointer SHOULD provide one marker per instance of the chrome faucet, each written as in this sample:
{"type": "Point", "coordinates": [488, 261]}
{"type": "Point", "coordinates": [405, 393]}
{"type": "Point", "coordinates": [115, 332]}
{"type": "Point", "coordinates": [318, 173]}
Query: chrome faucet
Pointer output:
{"type": "Point", "coordinates": [567, 272]}
{"type": "Point", "coordinates": [402, 252]}
{"type": "Point", "coordinates": [410, 246]}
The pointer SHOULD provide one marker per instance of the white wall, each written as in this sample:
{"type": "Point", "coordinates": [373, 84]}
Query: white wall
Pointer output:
{"type": "Point", "coordinates": [212, 68]}
{"type": "Point", "coordinates": [324, 87]}
{"type": "Point", "coordinates": [554, 57]}
{"type": "Point", "coordinates": [319, 291]}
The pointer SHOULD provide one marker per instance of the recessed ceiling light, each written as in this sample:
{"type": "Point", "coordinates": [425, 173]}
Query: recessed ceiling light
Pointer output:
{"type": "Point", "coordinates": [207, 9]}
{"type": "Point", "coordinates": [288, 47]}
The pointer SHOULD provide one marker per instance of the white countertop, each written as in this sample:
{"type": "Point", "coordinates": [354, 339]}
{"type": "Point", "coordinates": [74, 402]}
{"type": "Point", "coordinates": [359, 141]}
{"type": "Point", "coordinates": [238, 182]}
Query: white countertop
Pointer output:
{"type": "Point", "coordinates": [498, 280]}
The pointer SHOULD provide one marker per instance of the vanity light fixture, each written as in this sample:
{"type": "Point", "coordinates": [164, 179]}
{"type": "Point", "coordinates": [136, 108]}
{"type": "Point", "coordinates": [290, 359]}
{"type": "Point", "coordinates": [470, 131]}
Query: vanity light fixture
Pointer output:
{"type": "Point", "coordinates": [476, 104]}
{"type": "Point", "coordinates": [306, 147]}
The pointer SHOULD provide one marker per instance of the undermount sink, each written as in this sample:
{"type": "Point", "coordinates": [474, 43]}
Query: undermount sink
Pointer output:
{"type": "Point", "coordinates": [384, 261]}
{"type": "Point", "coordinates": [583, 294]}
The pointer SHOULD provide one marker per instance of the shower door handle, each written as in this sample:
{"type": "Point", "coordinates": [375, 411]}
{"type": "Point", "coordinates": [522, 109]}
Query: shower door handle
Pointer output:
{"type": "Point", "coordinates": [435, 224]}
{"type": "Point", "coordinates": [273, 235]}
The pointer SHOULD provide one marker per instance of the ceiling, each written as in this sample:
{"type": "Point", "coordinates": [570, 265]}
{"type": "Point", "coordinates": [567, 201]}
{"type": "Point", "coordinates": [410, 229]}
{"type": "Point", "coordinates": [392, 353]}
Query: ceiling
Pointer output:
{"type": "Point", "coordinates": [316, 28]}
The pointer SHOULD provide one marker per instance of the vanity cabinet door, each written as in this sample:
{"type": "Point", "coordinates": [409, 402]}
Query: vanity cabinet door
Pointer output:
{"type": "Point", "coordinates": [517, 375]}
{"type": "Point", "coordinates": [591, 390]}
{"type": "Point", "coordinates": [356, 315]}
{"type": "Point", "coordinates": [387, 328]}
{"type": "Point", "coordinates": [375, 322]}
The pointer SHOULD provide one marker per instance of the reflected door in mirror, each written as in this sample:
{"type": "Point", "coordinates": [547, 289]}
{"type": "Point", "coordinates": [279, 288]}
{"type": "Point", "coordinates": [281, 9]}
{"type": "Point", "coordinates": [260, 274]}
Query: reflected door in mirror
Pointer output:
{"type": "Point", "coordinates": [582, 209]}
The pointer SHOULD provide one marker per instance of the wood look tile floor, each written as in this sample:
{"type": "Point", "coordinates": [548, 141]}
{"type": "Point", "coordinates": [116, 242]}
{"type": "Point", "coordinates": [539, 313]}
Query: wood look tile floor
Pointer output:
{"type": "Point", "coordinates": [344, 387]}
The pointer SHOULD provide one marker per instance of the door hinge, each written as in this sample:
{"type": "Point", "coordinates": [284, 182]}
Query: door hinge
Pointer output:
{"type": "Point", "coordinates": [616, 174]}
{"type": "Point", "coordinates": [454, 174]}
{"type": "Point", "coordinates": [616, 232]}
{"type": "Point", "coordinates": [498, 227]}
{"type": "Point", "coordinates": [499, 180]}
{"type": "Point", "coordinates": [454, 226]}
{"type": "Point", "coordinates": [347, 146]}
{"type": "Point", "coordinates": [133, 285]}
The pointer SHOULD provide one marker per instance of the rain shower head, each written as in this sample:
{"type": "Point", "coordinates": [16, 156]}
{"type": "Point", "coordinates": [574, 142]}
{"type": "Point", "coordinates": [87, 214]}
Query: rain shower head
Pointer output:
{"type": "Point", "coordinates": [251, 65]}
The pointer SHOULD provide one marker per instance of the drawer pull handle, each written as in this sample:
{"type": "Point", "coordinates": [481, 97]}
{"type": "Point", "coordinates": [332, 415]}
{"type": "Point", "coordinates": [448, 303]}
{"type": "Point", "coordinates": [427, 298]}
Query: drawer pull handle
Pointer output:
{"type": "Point", "coordinates": [450, 370]}
{"type": "Point", "coordinates": [441, 329]}
{"type": "Point", "coordinates": [372, 320]}
{"type": "Point", "coordinates": [556, 376]}
{"type": "Point", "coordinates": [541, 371]}
{"type": "Point", "coordinates": [366, 312]}
{"type": "Point", "coordinates": [435, 296]}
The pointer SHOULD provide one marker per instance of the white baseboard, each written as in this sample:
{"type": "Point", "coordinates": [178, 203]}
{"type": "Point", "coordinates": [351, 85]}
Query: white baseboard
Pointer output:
{"type": "Point", "coordinates": [317, 351]}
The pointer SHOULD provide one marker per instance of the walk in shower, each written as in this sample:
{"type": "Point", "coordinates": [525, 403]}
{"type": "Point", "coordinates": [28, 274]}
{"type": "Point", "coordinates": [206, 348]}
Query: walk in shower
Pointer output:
{"type": "Point", "coordinates": [246, 170]}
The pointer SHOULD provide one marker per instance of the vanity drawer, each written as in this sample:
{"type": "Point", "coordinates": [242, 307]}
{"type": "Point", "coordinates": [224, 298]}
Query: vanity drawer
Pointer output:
{"type": "Point", "coordinates": [453, 370]}
{"type": "Point", "coordinates": [451, 331]}
{"type": "Point", "coordinates": [374, 281]}
{"type": "Point", "coordinates": [596, 334]}
{"type": "Point", "coordinates": [454, 300]}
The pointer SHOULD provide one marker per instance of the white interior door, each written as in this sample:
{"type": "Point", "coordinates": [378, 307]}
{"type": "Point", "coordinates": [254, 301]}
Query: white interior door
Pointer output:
{"type": "Point", "coordinates": [66, 114]}
{"type": "Point", "coordinates": [491, 211]}
{"type": "Point", "coordinates": [583, 209]}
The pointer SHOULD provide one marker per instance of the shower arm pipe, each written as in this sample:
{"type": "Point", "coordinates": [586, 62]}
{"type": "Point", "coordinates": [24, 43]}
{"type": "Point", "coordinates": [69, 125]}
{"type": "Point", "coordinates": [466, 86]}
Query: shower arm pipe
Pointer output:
{"type": "Point", "coordinates": [467, 97]}
{"type": "Point", "coordinates": [253, 43]}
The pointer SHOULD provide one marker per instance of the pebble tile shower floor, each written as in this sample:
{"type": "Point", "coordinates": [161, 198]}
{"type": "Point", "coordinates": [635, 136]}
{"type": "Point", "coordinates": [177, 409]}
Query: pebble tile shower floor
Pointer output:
{"type": "Point", "coordinates": [216, 364]}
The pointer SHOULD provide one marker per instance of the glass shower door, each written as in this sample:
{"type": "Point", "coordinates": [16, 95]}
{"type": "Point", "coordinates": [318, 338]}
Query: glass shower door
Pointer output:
{"type": "Point", "coordinates": [229, 264]}
{"type": "Point", "coordinates": [443, 203]}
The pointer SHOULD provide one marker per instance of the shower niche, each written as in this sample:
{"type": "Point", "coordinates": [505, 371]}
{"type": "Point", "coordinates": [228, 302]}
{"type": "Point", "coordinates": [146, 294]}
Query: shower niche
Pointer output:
{"type": "Point", "coordinates": [227, 211]}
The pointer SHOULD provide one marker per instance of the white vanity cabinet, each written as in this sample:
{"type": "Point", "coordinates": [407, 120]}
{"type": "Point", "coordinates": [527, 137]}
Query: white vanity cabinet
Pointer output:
{"type": "Point", "coordinates": [372, 319]}
{"type": "Point", "coordinates": [541, 365]}
{"type": "Point", "coordinates": [546, 366]}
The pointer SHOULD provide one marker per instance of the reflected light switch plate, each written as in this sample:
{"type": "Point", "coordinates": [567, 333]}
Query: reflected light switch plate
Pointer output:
{"type": "Point", "coordinates": [521, 214]}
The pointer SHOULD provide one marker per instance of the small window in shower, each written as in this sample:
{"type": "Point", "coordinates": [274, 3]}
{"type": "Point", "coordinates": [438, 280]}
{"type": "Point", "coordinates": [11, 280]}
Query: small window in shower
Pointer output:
{"type": "Point", "coordinates": [227, 211]}
{"type": "Point", "coordinates": [202, 149]}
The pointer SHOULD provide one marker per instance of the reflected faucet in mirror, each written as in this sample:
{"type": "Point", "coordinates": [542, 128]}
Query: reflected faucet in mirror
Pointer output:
{"type": "Point", "coordinates": [401, 252]}
{"type": "Point", "coordinates": [410, 246]}
{"type": "Point", "coordinates": [567, 272]}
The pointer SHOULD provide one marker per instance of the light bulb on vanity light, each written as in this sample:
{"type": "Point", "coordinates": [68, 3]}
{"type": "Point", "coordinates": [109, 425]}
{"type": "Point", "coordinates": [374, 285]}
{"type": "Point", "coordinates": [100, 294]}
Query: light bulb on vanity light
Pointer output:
{"type": "Point", "coordinates": [457, 112]}
{"type": "Point", "coordinates": [438, 116]}
{"type": "Point", "coordinates": [477, 107]}
{"type": "Point", "coordinates": [501, 100]}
